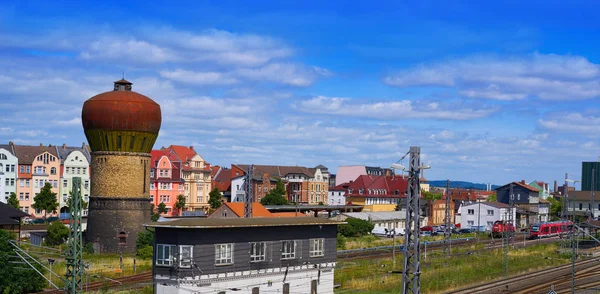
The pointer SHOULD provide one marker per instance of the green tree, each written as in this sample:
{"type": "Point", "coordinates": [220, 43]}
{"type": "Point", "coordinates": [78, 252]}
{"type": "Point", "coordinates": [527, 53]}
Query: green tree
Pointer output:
{"type": "Point", "coordinates": [162, 208]}
{"type": "Point", "coordinates": [180, 204]}
{"type": "Point", "coordinates": [355, 227]}
{"type": "Point", "coordinates": [555, 208]}
{"type": "Point", "coordinates": [155, 215]}
{"type": "Point", "coordinates": [17, 278]}
{"type": "Point", "coordinates": [83, 203]}
{"type": "Point", "coordinates": [492, 197]}
{"type": "Point", "coordinates": [431, 196]}
{"type": "Point", "coordinates": [276, 196]}
{"type": "Point", "coordinates": [57, 233]}
{"type": "Point", "coordinates": [45, 200]}
{"type": "Point", "coordinates": [143, 245]}
{"type": "Point", "coordinates": [13, 201]}
{"type": "Point", "coordinates": [215, 198]}
{"type": "Point", "coordinates": [341, 241]}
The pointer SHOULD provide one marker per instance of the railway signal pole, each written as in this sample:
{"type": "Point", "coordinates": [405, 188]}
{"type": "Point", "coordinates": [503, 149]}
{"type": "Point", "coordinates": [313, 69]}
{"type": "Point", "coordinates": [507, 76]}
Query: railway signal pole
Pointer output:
{"type": "Point", "coordinates": [411, 271]}
{"type": "Point", "coordinates": [447, 222]}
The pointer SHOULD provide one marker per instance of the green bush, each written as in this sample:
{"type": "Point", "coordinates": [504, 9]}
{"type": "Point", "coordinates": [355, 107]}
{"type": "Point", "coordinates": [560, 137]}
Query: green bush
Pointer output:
{"type": "Point", "coordinates": [356, 227]}
{"type": "Point", "coordinates": [144, 239]}
{"type": "Point", "coordinates": [57, 233]}
{"type": "Point", "coordinates": [88, 248]}
{"type": "Point", "coordinates": [145, 252]}
{"type": "Point", "coordinates": [347, 230]}
{"type": "Point", "coordinates": [341, 241]}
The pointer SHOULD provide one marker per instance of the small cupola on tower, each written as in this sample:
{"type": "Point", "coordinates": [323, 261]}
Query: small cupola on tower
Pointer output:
{"type": "Point", "coordinates": [123, 85]}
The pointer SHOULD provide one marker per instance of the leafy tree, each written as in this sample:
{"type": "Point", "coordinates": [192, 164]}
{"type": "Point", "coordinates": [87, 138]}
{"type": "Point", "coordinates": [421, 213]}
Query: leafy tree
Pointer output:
{"type": "Point", "coordinates": [431, 196]}
{"type": "Point", "coordinates": [355, 227]}
{"type": "Point", "coordinates": [45, 200]}
{"type": "Point", "coordinates": [57, 233]}
{"type": "Point", "coordinates": [155, 216]}
{"type": "Point", "coordinates": [492, 197]}
{"type": "Point", "coordinates": [555, 208]}
{"type": "Point", "coordinates": [13, 201]}
{"type": "Point", "coordinates": [214, 198]}
{"type": "Point", "coordinates": [276, 196]}
{"type": "Point", "coordinates": [17, 278]}
{"type": "Point", "coordinates": [341, 241]}
{"type": "Point", "coordinates": [70, 199]}
{"type": "Point", "coordinates": [321, 203]}
{"type": "Point", "coordinates": [143, 245]}
{"type": "Point", "coordinates": [162, 208]}
{"type": "Point", "coordinates": [180, 204]}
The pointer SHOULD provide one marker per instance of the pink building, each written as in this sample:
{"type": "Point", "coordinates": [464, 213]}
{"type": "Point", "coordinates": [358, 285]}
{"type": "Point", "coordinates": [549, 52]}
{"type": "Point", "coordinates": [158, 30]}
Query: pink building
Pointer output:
{"type": "Point", "coordinates": [37, 165]}
{"type": "Point", "coordinates": [165, 180]}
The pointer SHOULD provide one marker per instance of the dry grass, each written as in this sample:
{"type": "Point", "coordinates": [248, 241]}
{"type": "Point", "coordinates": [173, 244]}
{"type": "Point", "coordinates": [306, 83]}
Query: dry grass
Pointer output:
{"type": "Point", "coordinates": [441, 274]}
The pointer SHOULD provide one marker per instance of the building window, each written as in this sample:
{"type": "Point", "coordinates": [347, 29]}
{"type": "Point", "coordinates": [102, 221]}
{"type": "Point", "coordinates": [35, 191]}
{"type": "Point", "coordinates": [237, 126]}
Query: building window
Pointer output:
{"type": "Point", "coordinates": [471, 223]}
{"type": "Point", "coordinates": [580, 206]}
{"type": "Point", "coordinates": [26, 195]}
{"type": "Point", "coordinates": [258, 251]}
{"type": "Point", "coordinates": [28, 169]}
{"type": "Point", "coordinates": [490, 212]}
{"type": "Point", "coordinates": [288, 249]}
{"type": "Point", "coordinates": [53, 171]}
{"type": "Point", "coordinates": [186, 254]}
{"type": "Point", "coordinates": [316, 247]}
{"type": "Point", "coordinates": [164, 254]}
{"type": "Point", "coordinates": [65, 183]}
{"type": "Point", "coordinates": [21, 196]}
{"type": "Point", "coordinates": [22, 169]}
{"type": "Point", "coordinates": [26, 183]}
{"type": "Point", "coordinates": [471, 211]}
{"type": "Point", "coordinates": [223, 254]}
{"type": "Point", "coordinates": [21, 183]}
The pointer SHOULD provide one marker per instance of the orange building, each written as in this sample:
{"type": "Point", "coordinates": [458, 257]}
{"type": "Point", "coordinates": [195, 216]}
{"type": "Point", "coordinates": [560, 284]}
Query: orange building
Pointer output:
{"type": "Point", "coordinates": [38, 165]}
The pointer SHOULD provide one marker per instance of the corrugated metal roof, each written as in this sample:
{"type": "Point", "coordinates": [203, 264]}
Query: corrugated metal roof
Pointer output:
{"type": "Point", "coordinates": [217, 223]}
{"type": "Point", "coordinates": [377, 216]}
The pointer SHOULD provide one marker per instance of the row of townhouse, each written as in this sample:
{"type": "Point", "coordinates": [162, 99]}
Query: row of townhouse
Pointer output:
{"type": "Point", "coordinates": [24, 170]}
{"type": "Point", "coordinates": [180, 170]}
{"type": "Point", "coordinates": [302, 184]}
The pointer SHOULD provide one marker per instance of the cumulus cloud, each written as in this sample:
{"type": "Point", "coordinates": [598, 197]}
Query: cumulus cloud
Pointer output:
{"type": "Point", "coordinates": [550, 77]}
{"type": "Point", "coordinates": [198, 78]}
{"type": "Point", "coordinates": [393, 110]}
{"type": "Point", "coordinates": [571, 122]}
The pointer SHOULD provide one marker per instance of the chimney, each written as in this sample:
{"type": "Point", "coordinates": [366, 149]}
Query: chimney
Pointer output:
{"type": "Point", "coordinates": [64, 146]}
{"type": "Point", "coordinates": [192, 148]}
{"type": "Point", "coordinates": [555, 186]}
{"type": "Point", "coordinates": [11, 143]}
{"type": "Point", "coordinates": [41, 145]}
{"type": "Point", "coordinates": [523, 182]}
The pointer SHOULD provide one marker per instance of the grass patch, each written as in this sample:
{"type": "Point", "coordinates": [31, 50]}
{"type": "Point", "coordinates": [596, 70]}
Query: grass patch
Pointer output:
{"type": "Point", "coordinates": [440, 273]}
{"type": "Point", "coordinates": [369, 241]}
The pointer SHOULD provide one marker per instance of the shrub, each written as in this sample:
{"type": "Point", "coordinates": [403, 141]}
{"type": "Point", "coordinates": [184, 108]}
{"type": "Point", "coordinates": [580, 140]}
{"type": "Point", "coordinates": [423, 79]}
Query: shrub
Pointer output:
{"type": "Point", "coordinates": [144, 238]}
{"type": "Point", "coordinates": [341, 241]}
{"type": "Point", "coordinates": [57, 233]}
{"type": "Point", "coordinates": [145, 252]}
{"type": "Point", "coordinates": [347, 230]}
{"type": "Point", "coordinates": [88, 248]}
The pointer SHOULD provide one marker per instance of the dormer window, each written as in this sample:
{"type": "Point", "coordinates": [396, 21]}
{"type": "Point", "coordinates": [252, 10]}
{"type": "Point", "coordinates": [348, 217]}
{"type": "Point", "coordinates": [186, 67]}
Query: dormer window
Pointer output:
{"type": "Point", "coordinates": [361, 191]}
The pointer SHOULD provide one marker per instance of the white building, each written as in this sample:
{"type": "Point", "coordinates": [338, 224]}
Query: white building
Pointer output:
{"type": "Point", "coordinates": [336, 196]}
{"type": "Point", "coordinates": [75, 162]}
{"type": "Point", "coordinates": [579, 203]}
{"type": "Point", "coordinates": [8, 172]}
{"type": "Point", "coordinates": [381, 219]}
{"type": "Point", "coordinates": [237, 189]}
{"type": "Point", "coordinates": [484, 214]}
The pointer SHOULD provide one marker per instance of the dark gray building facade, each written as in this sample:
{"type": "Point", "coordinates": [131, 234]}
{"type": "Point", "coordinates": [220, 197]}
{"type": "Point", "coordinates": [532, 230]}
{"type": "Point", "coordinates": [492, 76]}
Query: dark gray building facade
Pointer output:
{"type": "Point", "coordinates": [249, 255]}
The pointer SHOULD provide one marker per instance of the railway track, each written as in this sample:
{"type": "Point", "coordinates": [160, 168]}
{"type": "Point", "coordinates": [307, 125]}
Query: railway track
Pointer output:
{"type": "Point", "coordinates": [539, 281]}
{"type": "Point", "coordinates": [113, 283]}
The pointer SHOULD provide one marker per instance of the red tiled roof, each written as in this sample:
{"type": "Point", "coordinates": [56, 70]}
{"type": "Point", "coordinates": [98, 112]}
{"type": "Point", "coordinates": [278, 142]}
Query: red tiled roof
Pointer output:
{"type": "Point", "coordinates": [223, 180]}
{"type": "Point", "coordinates": [526, 186]}
{"type": "Point", "coordinates": [214, 170]}
{"type": "Point", "coordinates": [257, 209]}
{"type": "Point", "coordinates": [390, 184]}
{"type": "Point", "coordinates": [184, 153]}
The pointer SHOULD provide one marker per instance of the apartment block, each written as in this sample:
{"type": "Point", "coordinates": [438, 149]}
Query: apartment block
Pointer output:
{"type": "Point", "coordinates": [8, 172]}
{"type": "Point", "coordinates": [195, 172]}
{"type": "Point", "coordinates": [75, 162]}
{"type": "Point", "coordinates": [165, 180]}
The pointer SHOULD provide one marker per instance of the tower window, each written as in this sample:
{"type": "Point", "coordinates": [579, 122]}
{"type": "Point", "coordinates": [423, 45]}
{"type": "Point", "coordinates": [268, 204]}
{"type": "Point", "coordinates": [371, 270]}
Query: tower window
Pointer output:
{"type": "Point", "coordinates": [106, 140]}
{"type": "Point", "coordinates": [119, 141]}
{"type": "Point", "coordinates": [131, 142]}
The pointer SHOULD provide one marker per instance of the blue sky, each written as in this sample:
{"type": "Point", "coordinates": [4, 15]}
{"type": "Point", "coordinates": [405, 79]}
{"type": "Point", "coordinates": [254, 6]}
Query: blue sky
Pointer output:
{"type": "Point", "coordinates": [492, 92]}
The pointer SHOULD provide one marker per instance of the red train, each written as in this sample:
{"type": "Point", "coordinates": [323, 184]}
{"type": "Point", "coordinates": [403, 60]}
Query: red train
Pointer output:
{"type": "Point", "coordinates": [500, 227]}
{"type": "Point", "coordinates": [549, 229]}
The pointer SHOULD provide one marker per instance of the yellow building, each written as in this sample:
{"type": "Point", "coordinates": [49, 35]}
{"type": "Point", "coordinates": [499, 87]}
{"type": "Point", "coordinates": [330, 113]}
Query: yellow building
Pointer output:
{"type": "Point", "coordinates": [195, 173]}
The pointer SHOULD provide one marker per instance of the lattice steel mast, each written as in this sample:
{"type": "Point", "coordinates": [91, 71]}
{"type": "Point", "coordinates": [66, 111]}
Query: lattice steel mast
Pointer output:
{"type": "Point", "coordinates": [447, 221]}
{"type": "Point", "coordinates": [248, 196]}
{"type": "Point", "coordinates": [74, 283]}
{"type": "Point", "coordinates": [411, 272]}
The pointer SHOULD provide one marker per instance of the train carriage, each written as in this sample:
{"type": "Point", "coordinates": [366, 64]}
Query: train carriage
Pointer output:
{"type": "Point", "coordinates": [549, 229]}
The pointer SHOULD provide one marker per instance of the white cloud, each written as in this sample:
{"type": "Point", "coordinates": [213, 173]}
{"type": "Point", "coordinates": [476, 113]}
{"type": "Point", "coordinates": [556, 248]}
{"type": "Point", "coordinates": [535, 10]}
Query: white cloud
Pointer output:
{"type": "Point", "coordinates": [285, 73]}
{"type": "Point", "coordinates": [392, 110]}
{"type": "Point", "coordinates": [551, 77]}
{"type": "Point", "coordinates": [198, 78]}
{"type": "Point", "coordinates": [571, 122]}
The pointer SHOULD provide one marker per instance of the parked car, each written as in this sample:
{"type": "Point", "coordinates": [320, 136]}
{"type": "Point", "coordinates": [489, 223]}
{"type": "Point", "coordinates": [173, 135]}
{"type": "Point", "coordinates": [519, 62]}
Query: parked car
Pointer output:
{"type": "Point", "coordinates": [427, 229]}
{"type": "Point", "coordinates": [466, 230]}
{"type": "Point", "coordinates": [379, 231]}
